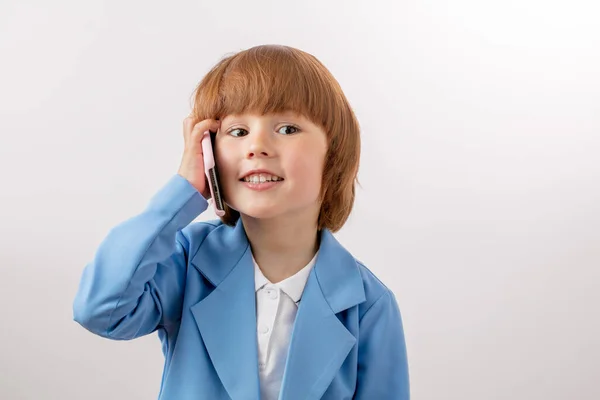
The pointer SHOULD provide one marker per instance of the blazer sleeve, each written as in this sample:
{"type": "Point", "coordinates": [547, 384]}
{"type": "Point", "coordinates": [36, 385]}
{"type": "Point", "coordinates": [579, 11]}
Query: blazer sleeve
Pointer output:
{"type": "Point", "coordinates": [135, 282]}
{"type": "Point", "coordinates": [382, 357]}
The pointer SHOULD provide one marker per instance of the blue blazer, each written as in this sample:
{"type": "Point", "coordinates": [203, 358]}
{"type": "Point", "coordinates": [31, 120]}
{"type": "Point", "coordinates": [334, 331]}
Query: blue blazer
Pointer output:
{"type": "Point", "coordinates": [193, 283]}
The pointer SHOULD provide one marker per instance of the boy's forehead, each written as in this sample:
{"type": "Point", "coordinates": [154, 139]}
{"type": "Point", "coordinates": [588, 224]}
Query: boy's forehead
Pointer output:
{"type": "Point", "coordinates": [255, 114]}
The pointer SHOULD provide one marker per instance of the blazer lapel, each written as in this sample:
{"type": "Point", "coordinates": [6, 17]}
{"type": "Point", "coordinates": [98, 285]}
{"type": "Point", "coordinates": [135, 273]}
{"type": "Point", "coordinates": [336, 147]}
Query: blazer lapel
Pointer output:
{"type": "Point", "coordinates": [226, 317]}
{"type": "Point", "coordinates": [320, 342]}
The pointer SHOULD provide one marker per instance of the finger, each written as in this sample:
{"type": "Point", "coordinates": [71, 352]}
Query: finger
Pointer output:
{"type": "Point", "coordinates": [201, 127]}
{"type": "Point", "coordinates": [188, 125]}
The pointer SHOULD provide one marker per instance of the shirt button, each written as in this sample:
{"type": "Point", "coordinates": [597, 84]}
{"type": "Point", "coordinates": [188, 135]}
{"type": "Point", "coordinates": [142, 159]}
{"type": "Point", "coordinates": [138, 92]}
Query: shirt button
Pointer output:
{"type": "Point", "coordinates": [263, 329]}
{"type": "Point", "coordinates": [272, 294]}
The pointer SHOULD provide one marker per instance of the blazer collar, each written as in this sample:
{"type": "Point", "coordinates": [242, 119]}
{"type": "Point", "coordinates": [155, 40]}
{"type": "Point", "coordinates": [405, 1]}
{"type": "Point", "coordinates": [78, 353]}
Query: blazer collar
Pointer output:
{"type": "Point", "coordinates": [336, 269]}
{"type": "Point", "coordinates": [226, 317]}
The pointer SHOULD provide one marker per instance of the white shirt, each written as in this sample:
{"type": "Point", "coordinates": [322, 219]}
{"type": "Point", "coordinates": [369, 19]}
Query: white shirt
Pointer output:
{"type": "Point", "coordinates": [276, 307]}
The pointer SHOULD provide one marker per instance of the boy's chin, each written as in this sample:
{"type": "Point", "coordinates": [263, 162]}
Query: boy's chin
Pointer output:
{"type": "Point", "coordinates": [258, 212]}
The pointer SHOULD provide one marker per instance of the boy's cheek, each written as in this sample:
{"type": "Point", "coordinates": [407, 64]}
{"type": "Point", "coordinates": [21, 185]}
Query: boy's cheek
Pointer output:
{"type": "Point", "coordinates": [225, 164]}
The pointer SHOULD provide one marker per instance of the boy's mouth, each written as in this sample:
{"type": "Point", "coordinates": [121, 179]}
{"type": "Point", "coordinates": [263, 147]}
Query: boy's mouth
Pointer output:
{"type": "Point", "coordinates": [261, 178]}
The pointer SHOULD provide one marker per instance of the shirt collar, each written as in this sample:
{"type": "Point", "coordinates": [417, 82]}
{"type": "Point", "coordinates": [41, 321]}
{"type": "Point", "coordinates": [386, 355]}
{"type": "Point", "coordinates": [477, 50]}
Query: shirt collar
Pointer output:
{"type": "Point", "coordinates": [292, 286]}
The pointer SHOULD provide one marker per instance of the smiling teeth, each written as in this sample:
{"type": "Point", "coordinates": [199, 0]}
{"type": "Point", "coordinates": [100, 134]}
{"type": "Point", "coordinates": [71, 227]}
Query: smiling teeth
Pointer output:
{"type": "Point", "coordinates": [261, 178]}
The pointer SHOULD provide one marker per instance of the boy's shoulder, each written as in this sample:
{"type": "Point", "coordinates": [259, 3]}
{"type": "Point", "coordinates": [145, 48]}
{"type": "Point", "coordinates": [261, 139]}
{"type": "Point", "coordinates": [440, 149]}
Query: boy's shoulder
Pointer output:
{"type": "Point", "coordinates": [375, 289]}
{"type": "Point", "coordinates": [194, 234]}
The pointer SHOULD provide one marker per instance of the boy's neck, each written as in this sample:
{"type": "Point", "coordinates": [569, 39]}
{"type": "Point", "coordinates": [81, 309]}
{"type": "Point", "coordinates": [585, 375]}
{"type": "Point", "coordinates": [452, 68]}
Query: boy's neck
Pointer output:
{"type": "Point", "coordinates": [281, 247]}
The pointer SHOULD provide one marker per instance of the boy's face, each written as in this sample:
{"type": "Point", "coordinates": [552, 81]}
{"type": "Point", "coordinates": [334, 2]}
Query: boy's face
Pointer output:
{"type": "Point", "coordinates": [288, 148]}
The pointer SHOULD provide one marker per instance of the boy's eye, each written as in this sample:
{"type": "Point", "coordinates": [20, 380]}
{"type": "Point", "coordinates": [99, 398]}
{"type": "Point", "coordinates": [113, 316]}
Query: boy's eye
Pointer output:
{"type": "Point", "coordinates": [284, 130]}
{"type": "Point", "coordinates": [238, 132]}
{"type": "Point", "coordinates": [288, 130]}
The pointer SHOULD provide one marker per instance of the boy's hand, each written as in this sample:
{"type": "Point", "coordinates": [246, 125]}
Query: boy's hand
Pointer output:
{"type": "Point", "coordinates": [192, 162]}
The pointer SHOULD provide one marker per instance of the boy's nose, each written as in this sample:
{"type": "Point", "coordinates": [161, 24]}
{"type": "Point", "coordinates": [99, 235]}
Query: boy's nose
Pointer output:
{"type": "Point", "coordinates": [252, 154]}
{"type": "Point", "coordinates": [259, 145]}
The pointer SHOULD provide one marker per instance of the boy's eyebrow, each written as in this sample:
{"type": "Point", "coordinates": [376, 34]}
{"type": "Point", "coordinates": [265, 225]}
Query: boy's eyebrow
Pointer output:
{"type": "Point", "coordinates": [281, 114]}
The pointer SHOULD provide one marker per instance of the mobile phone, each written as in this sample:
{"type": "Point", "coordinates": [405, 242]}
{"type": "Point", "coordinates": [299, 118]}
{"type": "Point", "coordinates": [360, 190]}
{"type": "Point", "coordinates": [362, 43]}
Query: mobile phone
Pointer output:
{"type": "Point", "coordinates": [211, 171]}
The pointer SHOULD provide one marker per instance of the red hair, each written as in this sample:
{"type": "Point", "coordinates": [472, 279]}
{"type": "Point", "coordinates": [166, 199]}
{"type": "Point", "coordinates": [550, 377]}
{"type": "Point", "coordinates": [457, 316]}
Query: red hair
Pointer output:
{"type": "Point", "coordinates": [273, 78]}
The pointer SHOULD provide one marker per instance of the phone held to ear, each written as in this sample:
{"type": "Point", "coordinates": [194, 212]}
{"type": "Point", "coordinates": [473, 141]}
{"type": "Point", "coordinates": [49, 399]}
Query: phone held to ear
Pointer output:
{"type": "Point", "coordinates": [210, 168]}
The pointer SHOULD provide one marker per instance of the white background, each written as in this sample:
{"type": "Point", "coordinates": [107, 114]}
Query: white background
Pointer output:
{"type": "Point", "coordinates": [480, 172]}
